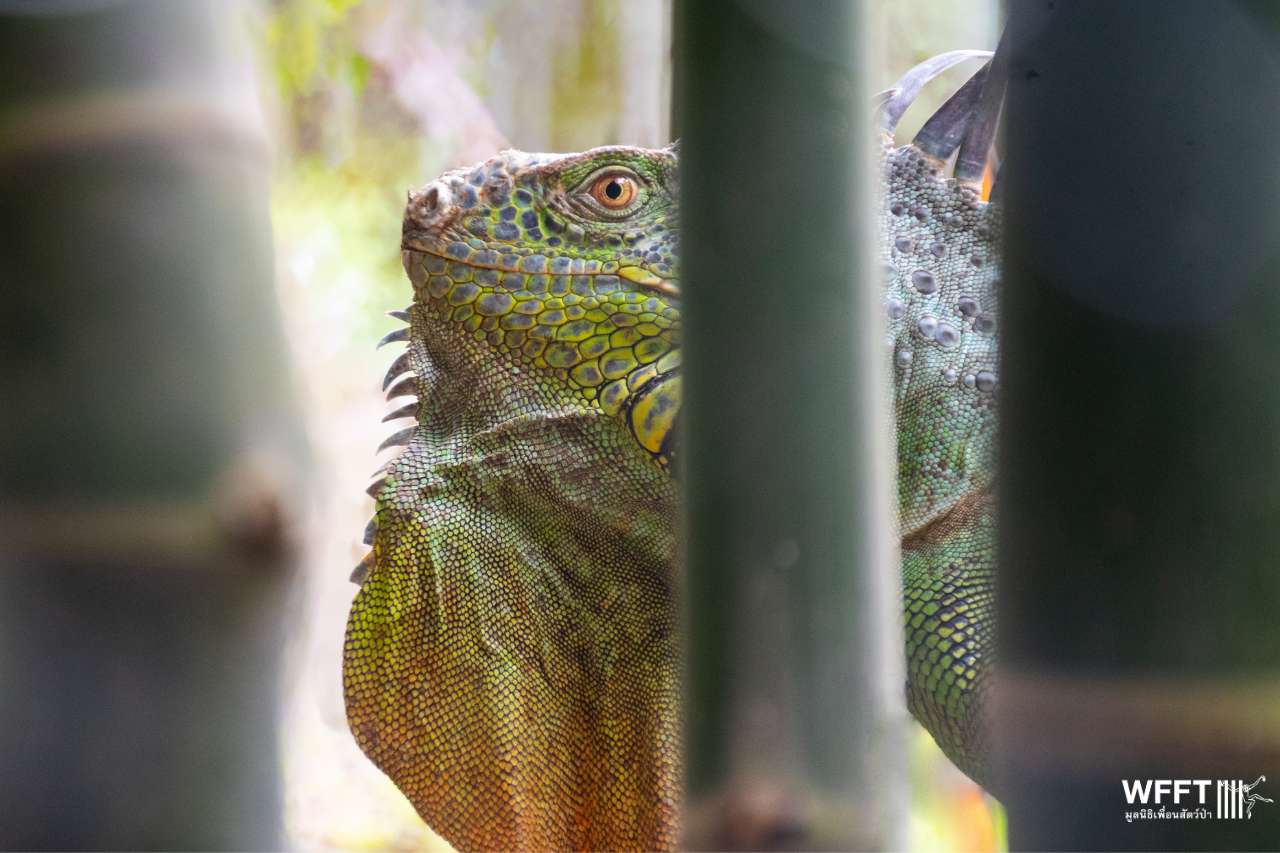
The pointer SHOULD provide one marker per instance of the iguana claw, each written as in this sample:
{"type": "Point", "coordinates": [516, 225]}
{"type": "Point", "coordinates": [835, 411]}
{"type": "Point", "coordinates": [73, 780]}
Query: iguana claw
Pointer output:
{"type": "Point", "coordinates": [896, 100]}
{"type": "Point", "coordinates": [398, 368]}
{"type": "Point", "coordinates": [407, 387]}
{"type": "Point", "coordinates": [398, 439]}
{"type": "Point", "coordinates": [395, 336]}
{"type": "Point", "coordinates": [408, 410]}
{"type": "Point", "coordinates": [941, 135]}
{"type": "Point", "coordinates": [975, 152]}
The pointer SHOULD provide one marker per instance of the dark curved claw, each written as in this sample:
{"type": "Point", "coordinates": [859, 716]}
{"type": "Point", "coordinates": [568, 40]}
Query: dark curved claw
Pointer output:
{"type": "Point", "coordinates": [394, 337]}
{"type": "Point", "coordinates": [975, 148]}
{"type": "Point", "coordinates": [902, 95]}
{"type": "Point", "coordinates": [398, 368]}
{"type": "Point", "coordinates": [398, 439]}
{"type": "Point", "coordinates": [404, 388]}
{"type": "Point", "coordinates": [946, 128]}
{"type": "Point", "coordinates": [375, 488]}
{"type": "Point", "coordinates": [408, 410]}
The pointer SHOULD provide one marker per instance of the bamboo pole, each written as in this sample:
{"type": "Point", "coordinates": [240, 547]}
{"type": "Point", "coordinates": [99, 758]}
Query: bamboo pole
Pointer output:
{"type": "Point", "coordinates": [149, 474]}
{"type": "Point", "coordinates": [1140, 512]}
{"type": "Point", "coordinates": [794, 686]}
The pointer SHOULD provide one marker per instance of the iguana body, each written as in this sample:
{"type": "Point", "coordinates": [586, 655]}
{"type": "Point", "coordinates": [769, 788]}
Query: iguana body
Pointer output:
{"type": "Point", "coordinates": [512, 658]}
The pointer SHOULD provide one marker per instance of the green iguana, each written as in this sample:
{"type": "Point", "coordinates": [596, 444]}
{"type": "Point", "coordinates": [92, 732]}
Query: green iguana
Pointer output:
{"type": "Point", "coordinates": [512, 658]}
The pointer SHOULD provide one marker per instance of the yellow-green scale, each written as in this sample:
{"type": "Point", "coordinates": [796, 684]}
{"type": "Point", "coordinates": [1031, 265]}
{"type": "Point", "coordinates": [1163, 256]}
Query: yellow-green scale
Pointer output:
{"type": "Point", "coordinates": [604, 342]}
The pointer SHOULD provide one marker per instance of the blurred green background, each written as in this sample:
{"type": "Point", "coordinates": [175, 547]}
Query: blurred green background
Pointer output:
{"type": "Point", "coordinates": [366, 99]}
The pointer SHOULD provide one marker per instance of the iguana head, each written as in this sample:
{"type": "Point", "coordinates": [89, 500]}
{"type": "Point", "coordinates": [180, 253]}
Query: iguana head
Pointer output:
{"type": "Point", "coordinates": [568, 268]}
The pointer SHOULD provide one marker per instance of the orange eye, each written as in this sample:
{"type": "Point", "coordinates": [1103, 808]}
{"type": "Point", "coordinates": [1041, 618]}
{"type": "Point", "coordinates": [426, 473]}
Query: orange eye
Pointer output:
{"type": "Point", "coordinates": [614, 192]}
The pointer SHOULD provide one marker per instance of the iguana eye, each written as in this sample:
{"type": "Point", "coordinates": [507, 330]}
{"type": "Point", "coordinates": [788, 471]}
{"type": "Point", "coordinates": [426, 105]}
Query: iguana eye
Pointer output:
{"type": "Point", "coordinates": [613, 190]}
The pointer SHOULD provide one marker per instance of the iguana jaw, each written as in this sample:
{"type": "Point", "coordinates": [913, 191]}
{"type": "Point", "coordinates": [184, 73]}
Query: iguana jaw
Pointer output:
{"type": "Point", "coordinates": [422, 244]}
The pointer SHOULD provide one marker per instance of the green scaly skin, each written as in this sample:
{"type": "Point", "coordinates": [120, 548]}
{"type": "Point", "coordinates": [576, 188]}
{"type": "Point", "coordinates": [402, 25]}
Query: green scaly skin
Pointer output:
{"type": "Point", "coordinates": [938, 243]}
{"type": "Point", "coordinates": [511, 658]}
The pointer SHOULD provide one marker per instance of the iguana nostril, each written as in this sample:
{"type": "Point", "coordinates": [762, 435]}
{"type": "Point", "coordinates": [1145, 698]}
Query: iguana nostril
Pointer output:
{"type": "Point", "coordinates": [429, 206]}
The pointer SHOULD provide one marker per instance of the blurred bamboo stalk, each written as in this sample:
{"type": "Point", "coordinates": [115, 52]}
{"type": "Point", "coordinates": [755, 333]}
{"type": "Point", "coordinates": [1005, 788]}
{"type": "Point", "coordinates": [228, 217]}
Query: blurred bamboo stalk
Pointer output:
{"type": "Point", "coordinates": [151, 467]}
{"type": "Point", "coordinates": [1141, 414]}
{"type": "Point", "coordinates": [794, 700]}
